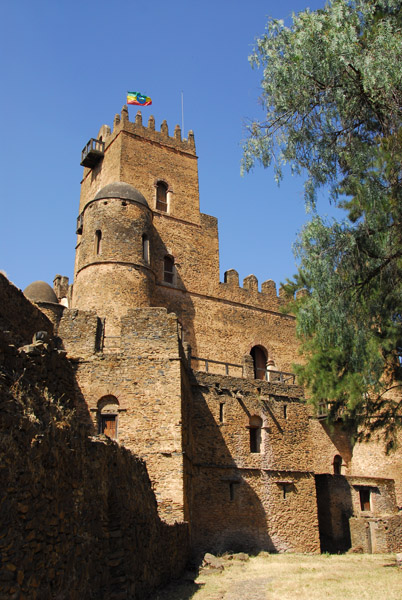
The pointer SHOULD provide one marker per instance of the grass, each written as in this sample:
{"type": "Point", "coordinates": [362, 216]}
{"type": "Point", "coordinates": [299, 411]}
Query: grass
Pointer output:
{"type": "Point", "coordinates": [295, 576]}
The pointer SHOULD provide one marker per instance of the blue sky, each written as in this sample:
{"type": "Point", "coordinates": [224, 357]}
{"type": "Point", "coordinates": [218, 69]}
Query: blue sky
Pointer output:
{"type": "Point", "coordinates": [65, 70]}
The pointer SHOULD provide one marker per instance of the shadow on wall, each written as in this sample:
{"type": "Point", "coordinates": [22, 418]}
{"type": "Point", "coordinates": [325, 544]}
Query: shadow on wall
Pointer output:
{"type": "Point", "coordinates": [225, 512]}
{"type": "Point", "coordinates": [335, 507]}
{"type": "Point", "coordinates": [170, 292]}
{"type": "Point", "coordinates": [80, 502]}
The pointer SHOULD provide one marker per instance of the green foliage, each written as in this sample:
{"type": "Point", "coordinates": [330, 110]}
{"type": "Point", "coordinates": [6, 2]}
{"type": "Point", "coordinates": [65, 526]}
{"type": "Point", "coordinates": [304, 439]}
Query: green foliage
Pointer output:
{"type": "Point", "coordinates": [332, 93]}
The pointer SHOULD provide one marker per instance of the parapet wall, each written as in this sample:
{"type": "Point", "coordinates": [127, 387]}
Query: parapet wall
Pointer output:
{"type": "Point", "coordinates": [268, 298]}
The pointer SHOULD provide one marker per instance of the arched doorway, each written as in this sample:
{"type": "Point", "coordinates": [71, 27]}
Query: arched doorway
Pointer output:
{"type": "Point", "coordinates": [259, 355]}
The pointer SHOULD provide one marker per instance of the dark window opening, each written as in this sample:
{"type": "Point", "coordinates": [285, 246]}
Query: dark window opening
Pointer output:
{"type": "Point", "coordinates": [221, 405]}
{"type": "Point", "coordinates": [285, 411]}
{"type": "Point", "coordinates": [231, 491]}
{"type": "Point", "coordinates": [260, 362]}
{"type": "Point", "coordinates": [98, 241]}
{"type": "Point", "coordinates": [161, 196]}
{"type": "Point", "coordinates": [284, 490]}
{"type": "Point", "coordinates": [337, 464]}
{"type": "Point", "coordinates": [168, 269]}
{"type": "Point", "coordinates": [364, 494]}
{"type": "Point", "coordinates": [255, 434]}
{"type": "Point", "coordinates": [108, 426]}
{"type": "Point", "coordinates": [145, 248]}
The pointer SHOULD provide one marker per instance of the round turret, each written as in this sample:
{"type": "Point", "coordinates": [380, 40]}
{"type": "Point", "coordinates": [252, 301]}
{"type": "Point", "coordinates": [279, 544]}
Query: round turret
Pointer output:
{"type": "Point", "coordinates": [113, 264]}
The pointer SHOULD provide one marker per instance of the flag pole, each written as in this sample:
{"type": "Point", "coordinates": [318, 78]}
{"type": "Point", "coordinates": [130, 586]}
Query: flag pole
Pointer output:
{"type": "Point", "coordinates": [182, 114]}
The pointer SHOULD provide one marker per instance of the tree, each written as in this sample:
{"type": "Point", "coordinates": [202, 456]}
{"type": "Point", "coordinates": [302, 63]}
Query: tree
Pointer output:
{"type": "Point", "coordinates": [332, 93]}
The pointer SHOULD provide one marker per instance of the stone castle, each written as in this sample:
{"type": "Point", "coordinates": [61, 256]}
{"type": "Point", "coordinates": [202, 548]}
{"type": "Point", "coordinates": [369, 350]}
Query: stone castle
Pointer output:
{"type": "Point", "coordinates": [194, 375]}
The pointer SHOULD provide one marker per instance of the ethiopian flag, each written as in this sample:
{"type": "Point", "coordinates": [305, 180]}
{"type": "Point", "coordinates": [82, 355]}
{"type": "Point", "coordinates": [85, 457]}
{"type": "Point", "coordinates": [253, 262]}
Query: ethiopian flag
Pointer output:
{"type": "Point", "coordinates": [139, 99]}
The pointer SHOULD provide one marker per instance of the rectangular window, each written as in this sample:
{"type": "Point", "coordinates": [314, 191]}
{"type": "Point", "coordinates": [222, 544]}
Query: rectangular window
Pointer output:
{"type": "Point", "coordinates": [108, 426]}
{"type": "Point", "coordinates": [231, 491]}
{"type": "Point", "coordinates": [364, 494]}
{"type": "Point", "coordinates": [168, 269]}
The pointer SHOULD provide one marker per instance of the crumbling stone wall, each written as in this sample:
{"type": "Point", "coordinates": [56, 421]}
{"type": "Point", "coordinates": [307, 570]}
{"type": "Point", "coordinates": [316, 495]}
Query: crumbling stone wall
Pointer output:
{"type": "Point", "coordinates": [77, 512]}
{"type": "Point", "coordinates": [19, 319]}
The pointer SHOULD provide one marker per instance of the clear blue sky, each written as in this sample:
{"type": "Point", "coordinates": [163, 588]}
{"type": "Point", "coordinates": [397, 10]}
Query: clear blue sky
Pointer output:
{"type": "Point", "coordinates": [65, 70]}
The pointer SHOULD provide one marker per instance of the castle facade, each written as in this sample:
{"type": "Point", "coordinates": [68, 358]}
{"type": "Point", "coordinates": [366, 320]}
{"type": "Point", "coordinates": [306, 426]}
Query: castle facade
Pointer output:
{"type": "Point", "coordinates": [194, 375]}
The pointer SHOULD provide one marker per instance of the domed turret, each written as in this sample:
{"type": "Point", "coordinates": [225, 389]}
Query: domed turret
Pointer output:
{"type": "Point", "coordinates": [113, 265]}
{"type": "Point", "coordinates": [40, 291]}
{"type": "Point", "coordinates": [42, 294]}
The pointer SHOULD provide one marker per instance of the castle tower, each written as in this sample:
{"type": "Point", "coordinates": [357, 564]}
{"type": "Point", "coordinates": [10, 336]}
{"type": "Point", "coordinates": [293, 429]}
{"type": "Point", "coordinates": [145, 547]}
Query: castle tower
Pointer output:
{"type": "Point", "coordinates": [142, 240]}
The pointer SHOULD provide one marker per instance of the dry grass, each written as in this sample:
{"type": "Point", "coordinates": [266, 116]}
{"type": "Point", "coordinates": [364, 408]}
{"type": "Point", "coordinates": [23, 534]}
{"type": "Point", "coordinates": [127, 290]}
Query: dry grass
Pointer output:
{"type": "Point", "coordinates": [295, 576]}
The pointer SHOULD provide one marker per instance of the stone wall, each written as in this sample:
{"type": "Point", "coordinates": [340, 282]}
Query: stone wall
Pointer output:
{"type": "Point", "coordinates": [377, 535]}
{"type": "Point", "coordinates": [144, 377]}
{"type": "Point", "coordinates": [79, 517]}
{"type": "Point", "coordinates": [242, 499]}
{"type": "Point", "coordinates": [344, 519]}
{"type": "Point", "coordinates": [19, 317]}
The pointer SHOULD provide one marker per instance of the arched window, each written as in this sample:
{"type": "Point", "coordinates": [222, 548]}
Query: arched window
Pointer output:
{"type": "Point", "coordinates": [145, 248]}
{"type": "Point", "coordinates": [259, 355]}
{"type": "Point", "coordinates": [255, 425]}
{"type": "Point", "coordinates": [98, 241]}
{"type": "Point", "coordinates": [161, 196]}
{"type": "Point", "coordinates": [107, 416]}
{"type": "Point", "coordinates": [168, 269]}
{"type": "Point", "coordinates": [337, 464]}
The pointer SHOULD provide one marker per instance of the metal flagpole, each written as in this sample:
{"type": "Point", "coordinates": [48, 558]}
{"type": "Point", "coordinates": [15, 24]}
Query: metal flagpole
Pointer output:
{"type": "Point", "coordinates": [182, 115]}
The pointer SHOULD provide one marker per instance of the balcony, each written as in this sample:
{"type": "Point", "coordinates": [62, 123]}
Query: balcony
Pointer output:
{"type": "Point", "coordinates": [218, 367]}
{"type": "Point", "coordinates": [92, 153]}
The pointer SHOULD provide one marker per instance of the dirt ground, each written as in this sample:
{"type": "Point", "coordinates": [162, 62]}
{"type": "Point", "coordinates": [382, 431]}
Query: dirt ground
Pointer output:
{"type": "Point", "coordinates": [291, 577]}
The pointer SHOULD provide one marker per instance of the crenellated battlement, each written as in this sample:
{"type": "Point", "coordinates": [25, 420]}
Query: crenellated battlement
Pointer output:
{"type": "Point", "coordinates": [268, 298]}
{"type": "Point", "coordinates": [122, 123]}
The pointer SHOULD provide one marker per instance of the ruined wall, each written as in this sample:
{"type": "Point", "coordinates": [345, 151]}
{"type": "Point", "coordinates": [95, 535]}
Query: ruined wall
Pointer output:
{"type": "Point", "coordinates": [248, 500]}
{"type": "Point", "coordinates": [79, 518]}
{"type": "Point", "coordinates": [18, 316]}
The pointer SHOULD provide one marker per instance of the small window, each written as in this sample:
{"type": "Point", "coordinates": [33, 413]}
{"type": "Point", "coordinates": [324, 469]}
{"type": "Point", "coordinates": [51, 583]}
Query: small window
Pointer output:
{"type": "Point", "coordinates": [337, 464]}
{"type": "Point", "coordinates": [108, 407]}
{"type": "Point", "coordinates": [161, 196]}
{"type": "Point", "coordinates": [221, 408]}
{"type": "Point", "coordinates": [255, 434]}
{"type": "Point", "coordinates": [285, 411]}
{"type": "Point", "coordinates": [364, 494]}
{"type": "Point", "coordinates": [108, 426]}
{"type": "Point", "coordinates": [98, 241]}
{"type": "Point", "coordinates": [145, 248]}
{"type": "Point", "coordinates": [231, 491]}
{"type": "Point", "coordinates": [168, 269]}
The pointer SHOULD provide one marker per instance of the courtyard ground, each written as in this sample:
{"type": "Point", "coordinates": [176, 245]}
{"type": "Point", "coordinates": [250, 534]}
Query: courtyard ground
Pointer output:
{"type": "Point", "coordinates": [290, 577]}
